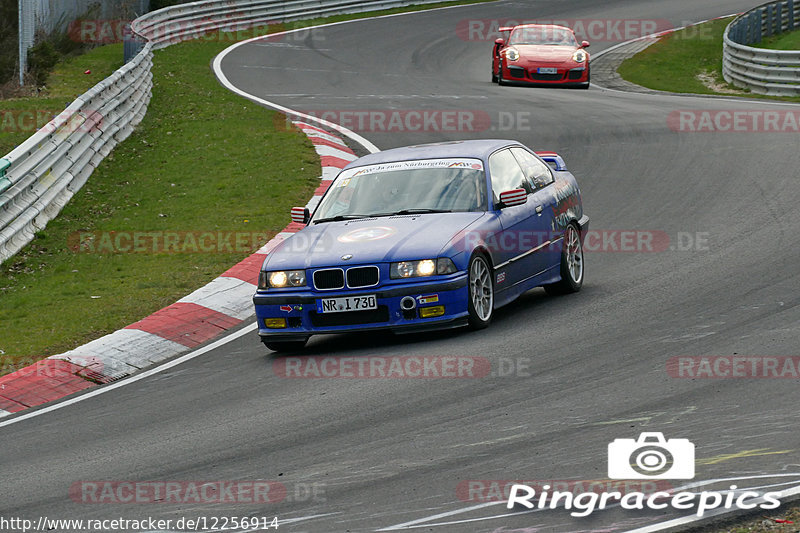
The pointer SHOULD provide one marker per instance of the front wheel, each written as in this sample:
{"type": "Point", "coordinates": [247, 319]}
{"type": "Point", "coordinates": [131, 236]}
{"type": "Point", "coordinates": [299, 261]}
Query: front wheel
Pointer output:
{"type": "Point", "coordinates": [481, 292]}
{"type": "Point", "coordinates": [571, 263]}
{"type": "Point", "coordinates": [284, 346]}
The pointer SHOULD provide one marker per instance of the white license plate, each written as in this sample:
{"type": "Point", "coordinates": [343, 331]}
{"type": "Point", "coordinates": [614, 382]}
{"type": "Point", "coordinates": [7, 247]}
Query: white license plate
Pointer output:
{"type": "Point", "coordinates": [350, 303]}
{"type": "Point", "coordinates": [547, 70]}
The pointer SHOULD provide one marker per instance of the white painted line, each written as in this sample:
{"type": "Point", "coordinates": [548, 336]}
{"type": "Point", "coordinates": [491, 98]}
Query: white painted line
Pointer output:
{"type": "Point", "coordinates": [312, 131]}
{"type": "Point", "coordinates": [427, 521]}
{"type": "Point", "coordinates": [229, 296]}
{"type": "Point", "coordinates": [323, 149]}
{"type": "Point", "coordinates": [329, 173]}
{"type": "Point", "coordinates": [4, 413]}
{"type": "Point", "coordinates": [223, 79]}
{"type": "Point", "coordinates": [406, 525]}
{"type": "Point", "coordinates": [123, 352]}
{"type": "Point", "coordinates": [711, 514]}
{"type": "Point", "coordinates": [147, 373]}
{"type": "Point", "coordinates": [313, 203]}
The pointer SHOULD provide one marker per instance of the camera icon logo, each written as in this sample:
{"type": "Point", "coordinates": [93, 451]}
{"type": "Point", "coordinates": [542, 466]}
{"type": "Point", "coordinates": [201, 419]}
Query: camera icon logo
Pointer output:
{"type": "Point", "coordinates": [651, 457]}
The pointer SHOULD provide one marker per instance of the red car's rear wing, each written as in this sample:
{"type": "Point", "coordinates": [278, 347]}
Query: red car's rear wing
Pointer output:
{"type": "Point", "coordinates": [506, 28]}
{"type": "Point", "coordinates": [553, 159]}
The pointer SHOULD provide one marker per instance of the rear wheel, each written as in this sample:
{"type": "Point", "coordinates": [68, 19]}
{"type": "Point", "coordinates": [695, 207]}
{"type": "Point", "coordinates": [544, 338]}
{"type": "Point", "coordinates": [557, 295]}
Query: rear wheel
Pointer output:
{"type": "Point", "coordinates": [284, 346]}
{"type": "Point", "coordinates": [571, 263]}
{"type": "Point", "coordinates": [481, 292]}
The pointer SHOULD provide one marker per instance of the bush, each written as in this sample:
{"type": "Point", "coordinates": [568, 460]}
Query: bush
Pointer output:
{"type": "Point", "coordinates": [8, 39]}
{"type": "Point", "coordinates": [42, 57]}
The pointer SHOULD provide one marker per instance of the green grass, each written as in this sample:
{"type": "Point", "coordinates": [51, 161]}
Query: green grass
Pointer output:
{"type": "Point", "coordinates": [674, 63]}
{"type": "Point", "coordinates": [784, 41]}
{"type": "Point", "coordinates": [203, 160]}
{"type": "Point", "coordinates": [21, 117]}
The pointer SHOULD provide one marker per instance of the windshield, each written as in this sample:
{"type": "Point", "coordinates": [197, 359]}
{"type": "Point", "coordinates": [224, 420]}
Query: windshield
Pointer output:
{"type": "Point", "coordinates": [553, 36]}
{"type": "Point", "coordinates": [441, 185]}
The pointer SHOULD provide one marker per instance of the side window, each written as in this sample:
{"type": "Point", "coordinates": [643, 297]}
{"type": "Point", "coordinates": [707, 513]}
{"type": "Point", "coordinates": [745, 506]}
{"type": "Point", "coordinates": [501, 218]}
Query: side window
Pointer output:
{"type": "Point", "coordinates": [506, 174]}
{"type": "Point", "coordinates": [537, 172]}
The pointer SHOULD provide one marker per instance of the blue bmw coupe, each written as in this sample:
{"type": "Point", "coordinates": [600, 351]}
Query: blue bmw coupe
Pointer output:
{"type": "Point", "coordinates": [424, 237]}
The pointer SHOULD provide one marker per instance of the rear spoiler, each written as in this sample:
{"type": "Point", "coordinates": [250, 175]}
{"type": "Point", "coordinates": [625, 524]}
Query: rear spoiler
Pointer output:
{"type": "Point", "coordinates": [553, 159]}
{"type": "Point", "coordinates": [505, 28]}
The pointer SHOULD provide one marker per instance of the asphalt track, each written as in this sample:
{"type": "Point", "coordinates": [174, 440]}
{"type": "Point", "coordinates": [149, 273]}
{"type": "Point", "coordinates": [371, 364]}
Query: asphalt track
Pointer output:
{"type": "Point", "coordinates": [381, 453]}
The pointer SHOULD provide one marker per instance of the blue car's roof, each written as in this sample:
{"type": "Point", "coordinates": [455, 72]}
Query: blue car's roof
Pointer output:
{"type": "Point", "coordinates": [479, 149]}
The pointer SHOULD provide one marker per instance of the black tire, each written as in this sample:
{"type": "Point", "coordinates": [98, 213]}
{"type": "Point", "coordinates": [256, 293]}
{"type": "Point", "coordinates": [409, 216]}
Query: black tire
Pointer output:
{"type": "Point", "coordinates": [572, 272]}
{"type": "Point", "coordinates": [284, 346]}
{"type": "Point", "coordinates": [494, 74]}
{"type": "Point", "coordinates": [480, 316]}
{"type": "Point", "coordinates": [500, 80]}
{"type": "Point", "coordinates": [588, 78]}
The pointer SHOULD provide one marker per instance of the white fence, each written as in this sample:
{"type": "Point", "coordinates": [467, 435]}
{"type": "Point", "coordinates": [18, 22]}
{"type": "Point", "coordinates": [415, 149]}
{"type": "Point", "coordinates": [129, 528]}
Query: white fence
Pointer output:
{"type": "Point", "coordinates": [763, 71]}
{"type": "Point", "coordinates": [41, 175]}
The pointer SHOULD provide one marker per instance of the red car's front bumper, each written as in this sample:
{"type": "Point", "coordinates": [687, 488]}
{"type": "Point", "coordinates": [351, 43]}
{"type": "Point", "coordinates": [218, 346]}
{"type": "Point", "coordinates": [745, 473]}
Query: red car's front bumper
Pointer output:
{"type": "Point", "coordinates": [564, 75]}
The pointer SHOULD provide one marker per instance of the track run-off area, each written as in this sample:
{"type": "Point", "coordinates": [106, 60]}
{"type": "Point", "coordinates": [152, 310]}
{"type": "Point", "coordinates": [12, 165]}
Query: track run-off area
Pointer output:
{"type": "Point", "coordinates": [569, 375]}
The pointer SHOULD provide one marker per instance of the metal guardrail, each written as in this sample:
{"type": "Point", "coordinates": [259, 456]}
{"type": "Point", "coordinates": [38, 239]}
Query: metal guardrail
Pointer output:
{"type": "Point", "coordinates": [762, 71]}
{"type": "Point", "coordinates": [40, 176]}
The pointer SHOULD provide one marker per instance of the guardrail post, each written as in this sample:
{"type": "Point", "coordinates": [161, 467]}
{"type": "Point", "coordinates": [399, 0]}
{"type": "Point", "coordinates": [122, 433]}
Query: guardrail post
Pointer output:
{"type": "Point", "coordinates": [5, 183]}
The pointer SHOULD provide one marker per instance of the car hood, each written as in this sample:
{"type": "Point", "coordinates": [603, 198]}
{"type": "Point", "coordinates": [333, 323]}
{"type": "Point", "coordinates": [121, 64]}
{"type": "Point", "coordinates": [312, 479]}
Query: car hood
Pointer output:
{"type": "Point", "coordinates": [371, 240]}
{"type": "Point", "coordinates": [545, 53]}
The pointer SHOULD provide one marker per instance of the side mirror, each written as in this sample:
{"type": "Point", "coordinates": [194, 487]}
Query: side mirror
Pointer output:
{"type": "Point", "coordinates": [300, 215]}
{"type": "Point", "coordinates": [584, 44]}
{"type": "Point", "coordinates": [501, 42]}
{"type": "Point", "coordinates": [513, 197]}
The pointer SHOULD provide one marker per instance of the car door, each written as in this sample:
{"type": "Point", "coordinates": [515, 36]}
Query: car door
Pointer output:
{"type": "Point", "coordinates": [522, 227]}
{"type": "Point", "coordinates": [543, 203]}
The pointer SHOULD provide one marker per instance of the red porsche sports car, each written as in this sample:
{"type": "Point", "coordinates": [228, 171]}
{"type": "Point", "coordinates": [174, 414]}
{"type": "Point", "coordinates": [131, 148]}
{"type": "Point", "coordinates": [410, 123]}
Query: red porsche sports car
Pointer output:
{"type": "Point", "coordinates": [539, 54]}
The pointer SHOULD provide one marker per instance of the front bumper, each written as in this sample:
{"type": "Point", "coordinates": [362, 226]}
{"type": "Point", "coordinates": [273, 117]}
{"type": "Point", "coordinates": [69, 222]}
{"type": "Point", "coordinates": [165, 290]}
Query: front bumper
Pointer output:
{"type": "Point", "coordinates": [564, 76]}
{"type": "Point", "coordinates": [299, 308]}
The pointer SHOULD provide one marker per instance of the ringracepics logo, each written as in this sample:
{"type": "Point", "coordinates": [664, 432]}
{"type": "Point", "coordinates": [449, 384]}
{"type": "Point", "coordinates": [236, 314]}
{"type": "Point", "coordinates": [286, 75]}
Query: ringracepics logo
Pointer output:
{"type": "Point", "coordinates": [650, 457]}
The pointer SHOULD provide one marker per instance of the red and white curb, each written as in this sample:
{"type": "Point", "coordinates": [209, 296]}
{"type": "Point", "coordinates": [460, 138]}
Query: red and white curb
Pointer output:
{"type": "Point", "coordinates": [203, 315]}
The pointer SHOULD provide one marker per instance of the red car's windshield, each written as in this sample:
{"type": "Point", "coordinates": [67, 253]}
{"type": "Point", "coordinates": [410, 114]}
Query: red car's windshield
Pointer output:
{"type": "Point", "coordinates": [549, 36]}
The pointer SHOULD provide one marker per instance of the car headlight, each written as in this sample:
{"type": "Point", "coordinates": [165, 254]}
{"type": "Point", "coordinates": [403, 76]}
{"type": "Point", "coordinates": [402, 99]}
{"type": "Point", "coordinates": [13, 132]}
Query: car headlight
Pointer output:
{"type": "Point", "coordinates": [422, 268]}
{"type": "Point", "coordinates": [512, 54]}
{"type": "Point", "coordinates": [579, 56]}
{"type": "Point", "coordinates": [281, 279]}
